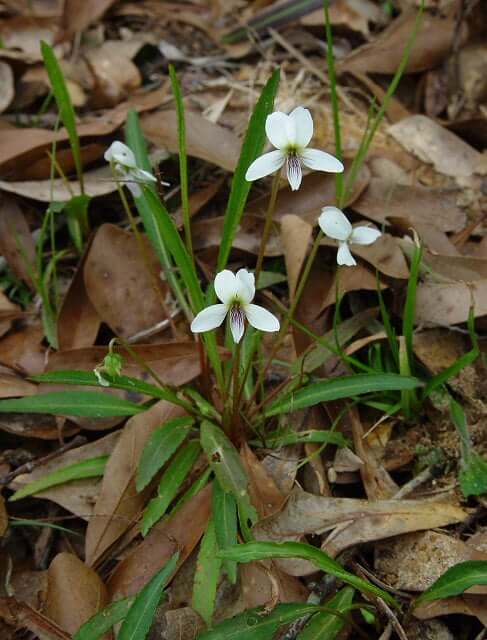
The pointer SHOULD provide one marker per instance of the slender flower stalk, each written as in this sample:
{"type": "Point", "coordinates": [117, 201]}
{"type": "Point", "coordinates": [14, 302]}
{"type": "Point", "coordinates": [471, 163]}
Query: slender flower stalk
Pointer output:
{"type": "Point", "coordinates": [267, 224]}
{"type": "Point", "coordinates": [291, 135]}
{"type": "Point", "coordinates": [236, 292]}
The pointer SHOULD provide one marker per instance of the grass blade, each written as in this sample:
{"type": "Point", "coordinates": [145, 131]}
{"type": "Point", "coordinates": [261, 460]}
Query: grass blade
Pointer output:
{"type": "Point", "coordinates": [104, 620]}
{"type": "Point", "coordinates": [207, 573]}
{"type": "Point", "coordinates": [455, 581]}
{"type": "Point", "coordinates": [64, 105]}
{"type": "Point", "coordinates": [172, 479]}
{"type": "Point", "coordinates": [324, 625]}
{"type": "Point", "coordinates": [92, 468]}
{"type": "Point", "coordinates": [137, 624]}
{"type": "Point", "coordinates": [224, 514]}
{"type": "Point", "coordinates": [252, 147]}
{"type": "Point", "coordinates": [337, 388]}
{"type": "Point", "coordinates": [160, 446]}
{"type": "Point", "coordinates": [262, 550]}
{"type": "Point", "coordinates": [86, 404]}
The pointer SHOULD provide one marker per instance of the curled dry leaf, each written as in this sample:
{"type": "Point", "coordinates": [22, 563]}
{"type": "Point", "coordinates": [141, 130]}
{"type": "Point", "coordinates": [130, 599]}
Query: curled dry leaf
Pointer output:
{"type": "Point", "coordinates": [16, 242]}
{"type": "Point", "coordinates": [122, 283]}
{"type": "Point", "coordinates": [119, 504]}
{"type": "Point", "coordinates": [204, 140]}
{"type": "Point", "coordinates": [79, 14]}
{"type": "Point", "coordinates": [432, 45]}
{"type": "Point", "coordinates": [383, 200]}
{"type": "Point", "coordinates": [434, 144]}
{"type": "Point", "coordinates": [180, 532]}
{"type": "Point", "coordinates": [407, 563]}
{"type": "Point", "coordinates": [76, 496]}
{"type": "Point", "coordinates": [356, 521]}
{"type": "Point", "coordinates": [7, 84]}
{"type": "Point", "coordinates": [75, 593]}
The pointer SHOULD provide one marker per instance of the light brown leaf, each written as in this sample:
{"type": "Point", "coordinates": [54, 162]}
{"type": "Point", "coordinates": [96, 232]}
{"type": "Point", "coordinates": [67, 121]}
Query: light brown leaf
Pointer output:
{"type": "Point", "coordinates": [383, 200]}
{"type": "Point", "coordinates": [447, 304]}
{"type": "Point", "coordinates": [79, 14]}
{"type": "Point", "coordinates": [22, 616]}
{"type": "Point", "coordinates": [25, 34]}
{"type": "Point", "coordinates": [384, 53]}
{"type": "Point", "coordinates": [180, 532]}
{"type": "Point", "coordinates": [119, 504]}
{"type": "Point", "coordinates": [295, 236]}
{"type": "Point", "coordinates": [12, 385]}
{"type": "Point", "coordinates": [76, 496]}
{"type": "Point", "coordinates": [8, 312]}
{"type": "Point", "coordinates": [204, 140]}
{"type": "Point", "coordinates": [123, 284]}
{"type": "Point", "coordinates": [16, 242]}
{"type": "Point", "coordinates": [434, 144]}
{"type": "Point", "coordinates": [23, 350]}
{"type": "Point", "coordinates": [263, 491]}
{"type": "Point", "coordinates": [264, 584]}
{"type": "Point", "coordinates": [208, 233]}
{"type": "Point", "coordinates": [466, 605]}
{"type": "Point", "coordinates": [7, 84]}
{"type": "Point", "coordinates": [75, 593]}
{"type": "Point", "coordinates": [356, 521]}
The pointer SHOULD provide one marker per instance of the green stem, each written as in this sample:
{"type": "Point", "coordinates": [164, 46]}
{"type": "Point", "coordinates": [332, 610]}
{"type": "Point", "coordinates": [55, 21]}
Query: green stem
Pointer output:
{"type": "Point", "coordinates": [268, 224]}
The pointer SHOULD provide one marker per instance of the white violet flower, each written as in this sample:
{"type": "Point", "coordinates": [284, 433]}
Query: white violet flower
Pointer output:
{"type": "Point", "coordinates": [336, 225]}
{"type": "Point", "coordinates": [236, 293]}
{"type": "Point", "coordinates": [122, 158]}
{"type": "Point", "coordinates": [291, 135]}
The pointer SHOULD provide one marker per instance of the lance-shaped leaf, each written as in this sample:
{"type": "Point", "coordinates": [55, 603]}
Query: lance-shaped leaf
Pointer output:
{"type": "Point", "coordinates": [207, 574]}
{"type": "Point", "coordinates": [325, 625]}
{"type": "Point", "coordinates": [456, 580]}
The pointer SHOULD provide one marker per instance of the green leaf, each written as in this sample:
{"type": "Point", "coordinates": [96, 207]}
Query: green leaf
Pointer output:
{"type": "Point", "coordinates": [26, 522]}
{"type": "Point", "coordinates": [160, 446]}
{"type": "Point", "coordinates": [224, 514]}
{"type": "Point", "coordinates": [455, 581]}
{"type": "Point", "coordinates": [324, 625]}
{"type": "Point", "coordinates": [195, 488]}
{"type": "Point", "coordinates": [277, 439]}
{"type": "Point", "coordinates": [170, 483]}
{"type": "Point", "coordinates": [473, 475]}
{"type": "Point", "coordinates": [263, 550]}
{"type": "Point", "coordinates": [207, 574]}
{"type": "Point", "coordinates": [92, 468]}
{"type": "Point", "coordinates": [252, 147]}
{"type": "Point", "coordinates": [229, 470]}
{"type": "Point", "coordinates": [104, 620]}
{"type": "Point", "coordinates": [337, 388]}
{"type": "Point", "coordinates": [64, 105]}
{"type": "Point", "coordinates": [254, 624]}
{"type": "Point", "coordinates": [77, 217]}
{"type": "Point", "coordinates": [86, 404]}
{"type": "Point", "coordinates": [138, 622]}
{"type": "Point", "coordinates": [88, 378]}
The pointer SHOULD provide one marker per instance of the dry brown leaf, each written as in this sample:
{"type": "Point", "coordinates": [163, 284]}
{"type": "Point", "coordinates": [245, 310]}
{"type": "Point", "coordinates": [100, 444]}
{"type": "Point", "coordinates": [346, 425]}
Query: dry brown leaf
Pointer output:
{"type": "Point", "coordinates": [12, 385]}
{"type": "Point", "coordinates": [348, 279]}
{"type": "Point", "coordinates": [24, 34]}
{"type": "Point", "coordinates": [438, 349]}
{"type": "Point", "coordinates": [351, 14]}
{"type": "Point", "coordinates": [75, 593]}
{"type": "Point", "coordinates": [123, 284]}
{"type": "Point", "coordinates": [78, 322]}
{"type": "Point", "coordinates": [23, 350]}
{"type": "Point", "coordinates": [119, 504]}
{"type": "Point", "coordinates": [116, 76]}
{"type": "Point", "coordinates": [21, 616]}
{"type": "Point", "coordinates": [295, 237]}
{"type": "Point", "coordinates": [21, 147]}
{"type": "Point", "coordinates": [8, 312]}
{"type": "Point", "coordinates": [204, 140]}
{"type": "Point", "coordinates": [407, 562]}
{"type": "Point", "coordinates": [33, 425]}
{"type": "Point", "coordinates": [434, 144]}
{"type": "Point", "coordinates": [356, 521]}
{"type": "Point", "coordinates": [16, 242]}
{"type": "Point", "coordinates": [383, 55]}
{"type": "Point", "coordinates": [264, 494]}
{"type": "Point", "coordinates": [79, 14]}
{"type": "Point", "coordinates": [263, 583]}
{"type": "Point", "coordinates": [466, 605]}
{"type": "Point", "coordinates": [383, 200]}
{"type": "Point", "coordinates": [455, 268]}
{"type": "Point", "coordinates": [164, 539]}
{"type": "Point", "coordinates": [7, 84]}
{"type": "Point", "coordinates": [76, 496]}
{"type": "Point", "coordinates": [447, 304]}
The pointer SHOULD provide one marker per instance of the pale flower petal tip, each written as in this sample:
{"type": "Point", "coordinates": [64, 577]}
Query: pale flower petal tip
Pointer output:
{"type": "Point", "coordinates": [344, 256]}
{"type": "Point", "coordinates": [291, 135]}
{"type": "Point", "coordinates": [364, 235]}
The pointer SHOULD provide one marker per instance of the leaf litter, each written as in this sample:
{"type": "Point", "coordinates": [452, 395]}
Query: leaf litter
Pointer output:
{"type": "Point", "coordinates": [390, 503]}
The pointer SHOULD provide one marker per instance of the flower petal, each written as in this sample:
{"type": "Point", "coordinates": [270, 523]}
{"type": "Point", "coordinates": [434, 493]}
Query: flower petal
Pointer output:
{"type": "Point", "coordinates": [143, 176]}
{"type": "Point", "coordinates": [260, 318]}
{"type": "Point", "coordinates": [294, 172]}
{"type": "Point", "coordinates": [334, 223]}
{"type": "Point", "coordinates": [275, 129]}
{"type": "Point", "coordinates": [364, 235]}
{"type": "Point", "coordinates": [344, 257]}
{"type": "Point", "coordinates": [119, 152]}
{"type": "Point", "coordinates": [134, 188]}
{"type": "Point", "coordinates": [265, 165]}
{"type": "Point", "coordinates": [226, 286]}
{"type": "Point", "coordinates": [321, 161]}
{"type": "Point", "coordinates": [210, 318]}
{"type": "Point", "coordinates": [245, 285]}
{"type": "Point", "coordinates": [237, 323]}
{"type": "Point", "coordinates": [304, 126]}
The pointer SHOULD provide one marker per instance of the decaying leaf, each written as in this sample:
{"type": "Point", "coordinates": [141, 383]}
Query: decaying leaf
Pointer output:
{"type": "Point", "coordinates": [16, 242]}
{"type": "Point", "coordinates": [7, 84]}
